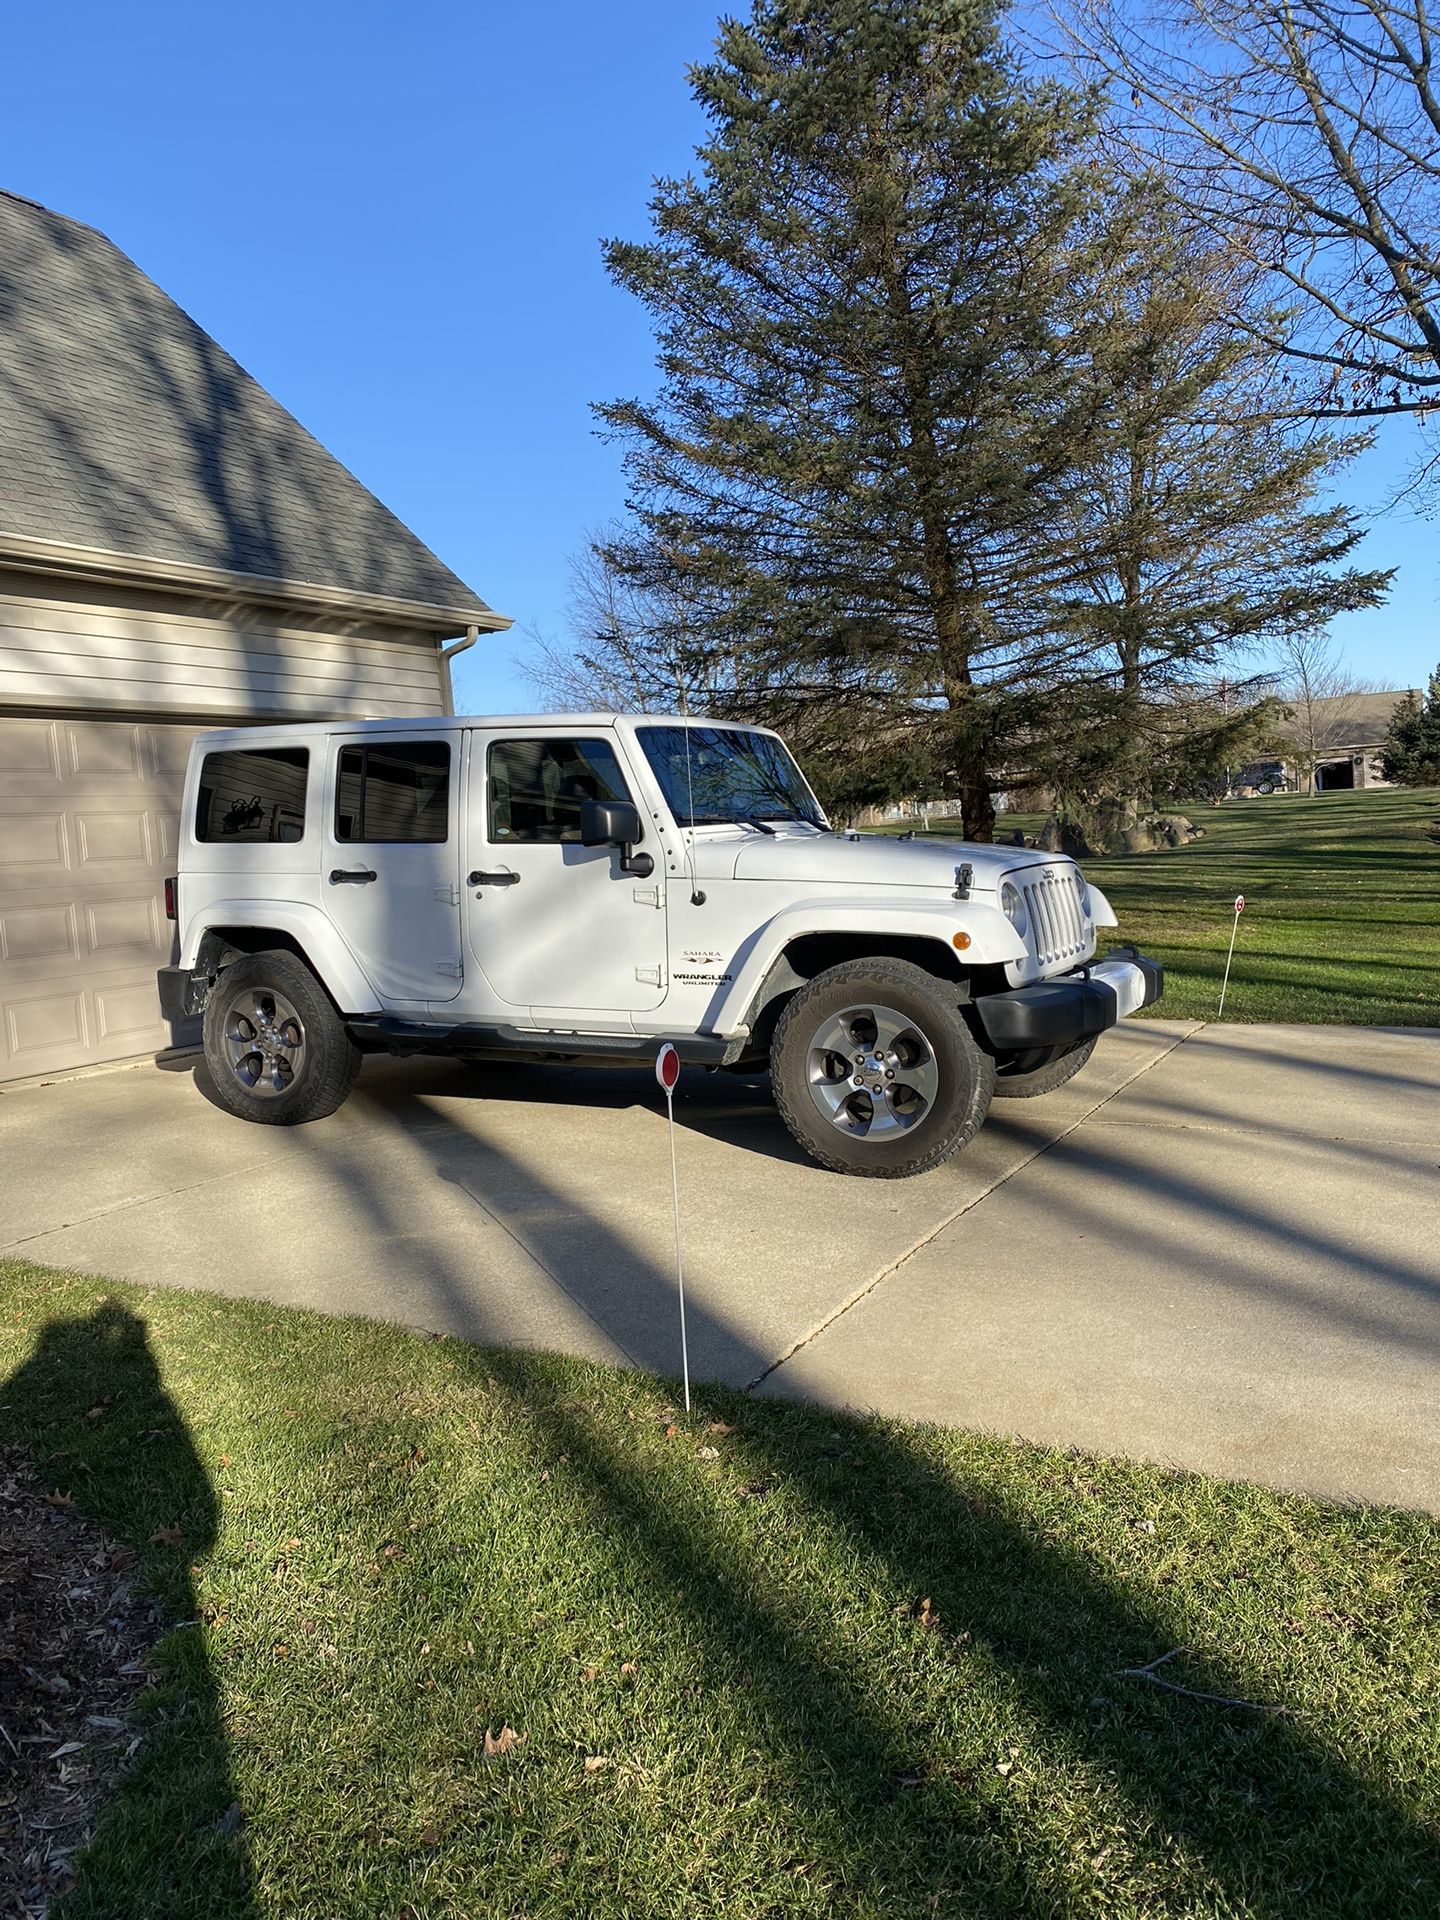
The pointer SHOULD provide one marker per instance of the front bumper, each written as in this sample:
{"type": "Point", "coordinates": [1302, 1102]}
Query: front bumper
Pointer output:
{"type": "Point", "coordinates": [1059, 1013]}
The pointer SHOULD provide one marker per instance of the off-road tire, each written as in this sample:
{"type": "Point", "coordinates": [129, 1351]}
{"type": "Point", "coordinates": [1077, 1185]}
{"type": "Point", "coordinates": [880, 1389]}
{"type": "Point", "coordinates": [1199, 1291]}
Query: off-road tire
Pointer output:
{"type": "Point", "coordinates": [326, 1060]}
{"type": "Point", "coordinates": [966, 1074]}
{"type": "Point", "coordinates": [1051, 1070]}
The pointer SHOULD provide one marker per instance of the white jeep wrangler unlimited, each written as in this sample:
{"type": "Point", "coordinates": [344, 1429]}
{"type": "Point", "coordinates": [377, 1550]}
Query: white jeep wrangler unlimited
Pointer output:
{"type": "Point", "coordinates": [585, 887]}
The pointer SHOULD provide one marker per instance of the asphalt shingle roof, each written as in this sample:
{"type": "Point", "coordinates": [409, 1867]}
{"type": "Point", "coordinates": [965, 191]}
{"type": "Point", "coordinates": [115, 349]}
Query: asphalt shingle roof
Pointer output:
{"type": "Point", "coordinates": [125, 428]}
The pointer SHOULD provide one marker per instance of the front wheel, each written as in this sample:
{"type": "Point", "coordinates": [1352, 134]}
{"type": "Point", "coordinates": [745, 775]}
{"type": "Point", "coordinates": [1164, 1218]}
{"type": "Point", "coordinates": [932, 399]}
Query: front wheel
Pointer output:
{"type": "Point", "coordinates": [276, 1049]}
{"type": "Point", "coordinates": [875, 1072]}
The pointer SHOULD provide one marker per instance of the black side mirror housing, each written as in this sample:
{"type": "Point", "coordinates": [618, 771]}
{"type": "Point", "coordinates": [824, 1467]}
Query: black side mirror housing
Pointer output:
{"type": "Point", "coordinates": [615, 823]}
{"type": "Point", "coordinates": [609, 823]}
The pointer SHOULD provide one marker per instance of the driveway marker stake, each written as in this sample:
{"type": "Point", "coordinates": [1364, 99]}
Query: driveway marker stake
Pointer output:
{"type": "Point", "coordinates": [1239, 909]}
{"type": "Point", "coordinates": [667, 1072]}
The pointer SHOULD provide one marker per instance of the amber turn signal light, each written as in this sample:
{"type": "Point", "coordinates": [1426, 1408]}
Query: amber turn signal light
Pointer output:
{"type": "Point", "coordinates": [960, 941]}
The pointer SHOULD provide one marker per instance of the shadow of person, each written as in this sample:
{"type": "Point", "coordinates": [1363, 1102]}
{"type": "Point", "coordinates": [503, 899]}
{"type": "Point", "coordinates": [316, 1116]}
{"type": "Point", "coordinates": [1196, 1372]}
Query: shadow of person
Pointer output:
{"type": "Point", "coordinates": [90, 1410]}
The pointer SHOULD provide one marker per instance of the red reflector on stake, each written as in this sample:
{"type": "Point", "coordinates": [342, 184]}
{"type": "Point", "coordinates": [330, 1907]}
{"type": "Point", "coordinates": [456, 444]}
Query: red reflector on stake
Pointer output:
{"type": "Point", "coordinates": [1239, 903]}
{"type": "Point", "coordinates": [667, 1067]}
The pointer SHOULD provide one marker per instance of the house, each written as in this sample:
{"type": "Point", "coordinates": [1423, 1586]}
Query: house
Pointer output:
{"type": "Point", "coordinates": [1342, 737]}
{"type": "Point", "coordinates": [176, 552]}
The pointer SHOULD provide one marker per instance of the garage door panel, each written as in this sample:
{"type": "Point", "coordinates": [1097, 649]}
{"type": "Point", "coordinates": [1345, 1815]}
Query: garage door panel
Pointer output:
{"type": "Point", "coordinates": [43, 934]}
{"type": "Point", "coordinates": [127, 1012]}
{"type": "Point", "coordinates": [116, 840]}
{"type": "Point", "coordinates": [101, 750]}
{"type": "Point", "coordinates": [44, 1029]}
{"type": "Point", "coordinates": [88, 831]}
{"type": "Point", "coordinates": [34, 848]}
{"type": "Point", "coordinates": [29, 756]}
{"type": "Point", "coordinates": [126, 930]}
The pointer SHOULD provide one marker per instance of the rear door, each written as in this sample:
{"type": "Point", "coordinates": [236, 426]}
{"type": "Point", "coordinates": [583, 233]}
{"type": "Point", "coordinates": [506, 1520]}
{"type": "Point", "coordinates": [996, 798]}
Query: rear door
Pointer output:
{"type": "Point", "coordinates": [390, 860]}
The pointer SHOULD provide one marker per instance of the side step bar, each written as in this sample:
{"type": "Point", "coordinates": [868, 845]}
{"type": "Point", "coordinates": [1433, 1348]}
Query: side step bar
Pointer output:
{"type": "Point", "coordinates": [601, 1049]}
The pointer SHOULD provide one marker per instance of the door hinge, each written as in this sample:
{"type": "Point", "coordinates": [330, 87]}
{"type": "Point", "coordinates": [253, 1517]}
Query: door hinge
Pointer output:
{"type": "Point", "coordinates": [648, 896]}
{"type": "Point", "coordinates": [650, 976]}
{"type": "Point", "coordinates": [450, 896]}
{"type": "Point", "coordinates": [452, 969]}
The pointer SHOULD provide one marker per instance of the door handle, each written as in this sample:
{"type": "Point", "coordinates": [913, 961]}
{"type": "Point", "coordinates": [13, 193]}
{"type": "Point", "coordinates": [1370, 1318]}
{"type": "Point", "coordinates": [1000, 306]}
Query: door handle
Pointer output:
{"type": "Point", "coordinates": [357, 876]}
{"type": "Point", "coordinates": [504, 878]}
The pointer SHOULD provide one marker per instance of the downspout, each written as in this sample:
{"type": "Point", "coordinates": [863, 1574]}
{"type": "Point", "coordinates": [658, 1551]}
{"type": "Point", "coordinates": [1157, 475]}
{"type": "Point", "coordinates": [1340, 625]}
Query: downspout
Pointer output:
{"type": "Point", "coordinates": [447, 654]}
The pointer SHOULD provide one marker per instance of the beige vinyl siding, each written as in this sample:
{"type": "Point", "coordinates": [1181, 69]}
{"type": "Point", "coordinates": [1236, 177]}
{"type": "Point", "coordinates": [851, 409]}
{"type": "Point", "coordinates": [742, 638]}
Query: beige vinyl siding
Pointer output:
{"type": "Point", "coordinates": [69, 646]}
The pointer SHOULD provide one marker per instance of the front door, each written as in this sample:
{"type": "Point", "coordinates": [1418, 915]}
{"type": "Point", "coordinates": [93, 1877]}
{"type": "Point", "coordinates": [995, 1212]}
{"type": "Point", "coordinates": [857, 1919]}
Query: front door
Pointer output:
{"type": "Point", "coordinates": [558, 930]}
{"type": "Point", "coordinates": [391, 862]}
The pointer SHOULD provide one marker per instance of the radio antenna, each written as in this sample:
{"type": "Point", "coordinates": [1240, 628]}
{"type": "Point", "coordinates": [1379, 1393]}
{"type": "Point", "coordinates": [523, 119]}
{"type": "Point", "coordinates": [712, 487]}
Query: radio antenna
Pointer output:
{"type": "Point", "coordinates": [697, 899]}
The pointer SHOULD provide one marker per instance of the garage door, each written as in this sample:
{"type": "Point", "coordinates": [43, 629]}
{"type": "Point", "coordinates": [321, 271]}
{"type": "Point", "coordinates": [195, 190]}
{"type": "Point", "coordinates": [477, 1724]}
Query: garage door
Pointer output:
{"type": "Point", "coordinates": [88, 812]}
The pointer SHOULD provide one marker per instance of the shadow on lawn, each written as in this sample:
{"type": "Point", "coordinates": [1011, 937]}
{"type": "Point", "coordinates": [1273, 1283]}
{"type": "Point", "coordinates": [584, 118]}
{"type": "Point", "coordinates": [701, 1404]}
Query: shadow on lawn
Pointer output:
{"type": "Point", "coordinates": [161, 1849]}
{"type": "Point", "coordinates": [1227, 1809]}
{"type": "Point", "coordinates": [1207, 1807]}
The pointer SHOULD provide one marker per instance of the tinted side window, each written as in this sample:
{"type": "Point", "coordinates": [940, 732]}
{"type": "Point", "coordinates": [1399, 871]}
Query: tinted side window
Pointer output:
{"type": "Point", "coordinates": [394, 790]}
{"type": "Point", "coordinates": [536, 786]}
{"type": "Point", "coordinates": [252, 794]}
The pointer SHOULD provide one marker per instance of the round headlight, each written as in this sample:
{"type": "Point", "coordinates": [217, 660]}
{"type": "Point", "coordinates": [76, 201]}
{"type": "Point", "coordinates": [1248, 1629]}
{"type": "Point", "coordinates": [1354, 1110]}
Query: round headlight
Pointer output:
{"type": "Point", "coordinates": [1013, 908]}
{"type": "Point", "coordinates": [1085, 906]}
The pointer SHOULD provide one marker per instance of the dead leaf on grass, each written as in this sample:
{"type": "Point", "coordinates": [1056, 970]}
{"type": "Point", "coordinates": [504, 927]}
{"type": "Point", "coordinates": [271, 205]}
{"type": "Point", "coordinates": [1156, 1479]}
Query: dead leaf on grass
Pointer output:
{"type": "Point", "coordinates": [166, 1537]}
{"type": "Point", "coordinates": [595, 1761]}
{"type": "Point", "coordinates": [627, 1666]}
{"type": "Point", "coordinates": [58, 1499]}
{"type": "Point", "coordinates": [497, 1745]}
{"type": "Point", "coordinates": [707, 1453]}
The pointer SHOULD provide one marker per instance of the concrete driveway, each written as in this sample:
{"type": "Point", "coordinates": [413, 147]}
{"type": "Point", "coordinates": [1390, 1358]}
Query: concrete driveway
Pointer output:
{"type": "Point", "coordinates": [1219, 1246]}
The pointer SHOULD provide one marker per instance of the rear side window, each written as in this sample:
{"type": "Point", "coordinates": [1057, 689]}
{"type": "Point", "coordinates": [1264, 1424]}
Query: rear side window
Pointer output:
{"type": "Point", "coordinates": [537, 786]}
{"type": "Point", "coordinates": [250, 795]}
{"type": "Point", "coordinates": [394, 791]}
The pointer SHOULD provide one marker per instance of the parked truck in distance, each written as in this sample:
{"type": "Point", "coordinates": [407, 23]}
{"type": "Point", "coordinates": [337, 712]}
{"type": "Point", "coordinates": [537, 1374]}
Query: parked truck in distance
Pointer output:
{"type": "Point", "coordinates": [586, 887]}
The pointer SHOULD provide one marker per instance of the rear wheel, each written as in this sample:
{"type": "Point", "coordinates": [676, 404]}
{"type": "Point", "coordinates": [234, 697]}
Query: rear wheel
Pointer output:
{"type": "Point", "coordinates": [1042, 1070]}
{"type": "Point", "coordinates": [277, 1051]}
{"type": "Point", "coordinates": [875, 1072]}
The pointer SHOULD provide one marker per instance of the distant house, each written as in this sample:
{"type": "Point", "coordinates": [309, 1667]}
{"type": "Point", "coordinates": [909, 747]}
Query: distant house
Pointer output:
{"type": "Point", "coordinates": [1344, 735]}
{"type": "Point", "coordinates": [176, 552]}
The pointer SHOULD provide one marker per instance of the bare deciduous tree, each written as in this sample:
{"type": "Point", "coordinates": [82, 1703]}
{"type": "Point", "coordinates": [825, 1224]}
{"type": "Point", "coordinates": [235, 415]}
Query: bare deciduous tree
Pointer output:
{"type": "Point", "coordinates": [1305, 134]}
{"type": "Point", "coordinates": [1320, 692]}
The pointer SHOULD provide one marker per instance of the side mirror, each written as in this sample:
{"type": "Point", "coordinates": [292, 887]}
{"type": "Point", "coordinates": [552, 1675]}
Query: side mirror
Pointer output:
{"type": "Point", "coordinates": [609, 823]}
{"type": "Point", "coordinates": [615, 823]}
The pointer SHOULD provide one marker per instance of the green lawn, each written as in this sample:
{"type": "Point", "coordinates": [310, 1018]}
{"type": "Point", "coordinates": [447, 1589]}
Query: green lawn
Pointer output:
{"type": "Point", "coordinates": [1342, 909]}
{"type": "Point", "coordinates": [766, 1662]}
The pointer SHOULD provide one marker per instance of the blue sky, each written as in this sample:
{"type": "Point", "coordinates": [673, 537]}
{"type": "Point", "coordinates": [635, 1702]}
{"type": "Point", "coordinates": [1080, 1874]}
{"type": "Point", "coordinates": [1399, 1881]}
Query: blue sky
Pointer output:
{"type": "Point", "coordinates": [391, 216]}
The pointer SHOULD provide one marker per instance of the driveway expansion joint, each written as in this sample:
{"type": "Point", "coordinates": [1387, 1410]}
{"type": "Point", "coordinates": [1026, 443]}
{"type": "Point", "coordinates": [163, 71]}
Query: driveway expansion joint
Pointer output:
{"type": "Point", "coordinates": [928, 1239]}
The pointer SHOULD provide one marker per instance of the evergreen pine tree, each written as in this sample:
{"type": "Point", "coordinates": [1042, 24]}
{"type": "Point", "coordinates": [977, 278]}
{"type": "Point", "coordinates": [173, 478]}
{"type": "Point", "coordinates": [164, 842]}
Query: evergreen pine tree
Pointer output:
{"type": "Point", "coordinates": [1411, 755]}
{"type": "Point", "coordinates": [867, 414]}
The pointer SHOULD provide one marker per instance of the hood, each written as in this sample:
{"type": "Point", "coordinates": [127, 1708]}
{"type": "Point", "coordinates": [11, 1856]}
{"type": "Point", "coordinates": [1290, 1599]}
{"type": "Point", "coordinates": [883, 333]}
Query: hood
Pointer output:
{"type": "Point", "coordinates": [875, 860]}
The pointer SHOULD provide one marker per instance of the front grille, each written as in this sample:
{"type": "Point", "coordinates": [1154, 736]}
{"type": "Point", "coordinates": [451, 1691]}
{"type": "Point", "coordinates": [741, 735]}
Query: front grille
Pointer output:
{"type": "Point", "coordinates": [1058, 929]}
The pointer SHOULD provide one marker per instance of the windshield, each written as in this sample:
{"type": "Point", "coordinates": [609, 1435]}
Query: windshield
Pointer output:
{"type": "Point", "coordinates": [732, 776]}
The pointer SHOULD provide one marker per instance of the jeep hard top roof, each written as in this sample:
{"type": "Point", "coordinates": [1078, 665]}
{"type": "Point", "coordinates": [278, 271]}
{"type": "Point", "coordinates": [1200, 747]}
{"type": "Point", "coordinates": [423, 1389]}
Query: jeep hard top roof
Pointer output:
{"type": "Point", "coordinates": [429, 723]}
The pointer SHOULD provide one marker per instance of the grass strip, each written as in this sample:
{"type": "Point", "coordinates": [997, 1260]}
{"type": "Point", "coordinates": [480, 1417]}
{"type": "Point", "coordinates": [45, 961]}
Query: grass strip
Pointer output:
{"type": "Point", "coordinates": [463, 1632]}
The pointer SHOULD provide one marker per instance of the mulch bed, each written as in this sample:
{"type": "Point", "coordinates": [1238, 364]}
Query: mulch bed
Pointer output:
{"type": "Point", "coordinates": [74, 1635]}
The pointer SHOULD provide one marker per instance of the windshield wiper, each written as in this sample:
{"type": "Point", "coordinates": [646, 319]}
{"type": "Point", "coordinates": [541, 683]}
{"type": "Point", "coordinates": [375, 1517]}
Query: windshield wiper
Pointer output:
{"type": "Point", "coordinates": [759, 826]}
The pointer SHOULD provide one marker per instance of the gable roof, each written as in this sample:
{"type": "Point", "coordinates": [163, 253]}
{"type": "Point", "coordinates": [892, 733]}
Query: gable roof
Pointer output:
{"type": "Point", "coordinates": [1348, 719]}
{"type": "Point", "coordinates": [125, 430]}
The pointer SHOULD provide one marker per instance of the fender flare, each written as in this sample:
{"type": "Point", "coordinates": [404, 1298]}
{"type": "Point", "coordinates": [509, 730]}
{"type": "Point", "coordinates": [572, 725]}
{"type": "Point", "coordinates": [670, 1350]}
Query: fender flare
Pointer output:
{"type": "Point", "coordinates": [992, 940]}
{"type": "Point", "coordinates": [313, 932]}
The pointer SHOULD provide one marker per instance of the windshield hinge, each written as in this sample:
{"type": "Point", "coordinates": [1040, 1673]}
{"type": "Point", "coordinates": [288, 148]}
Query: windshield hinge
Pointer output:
{"type": "Point", "coordinates": [964, 874]}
